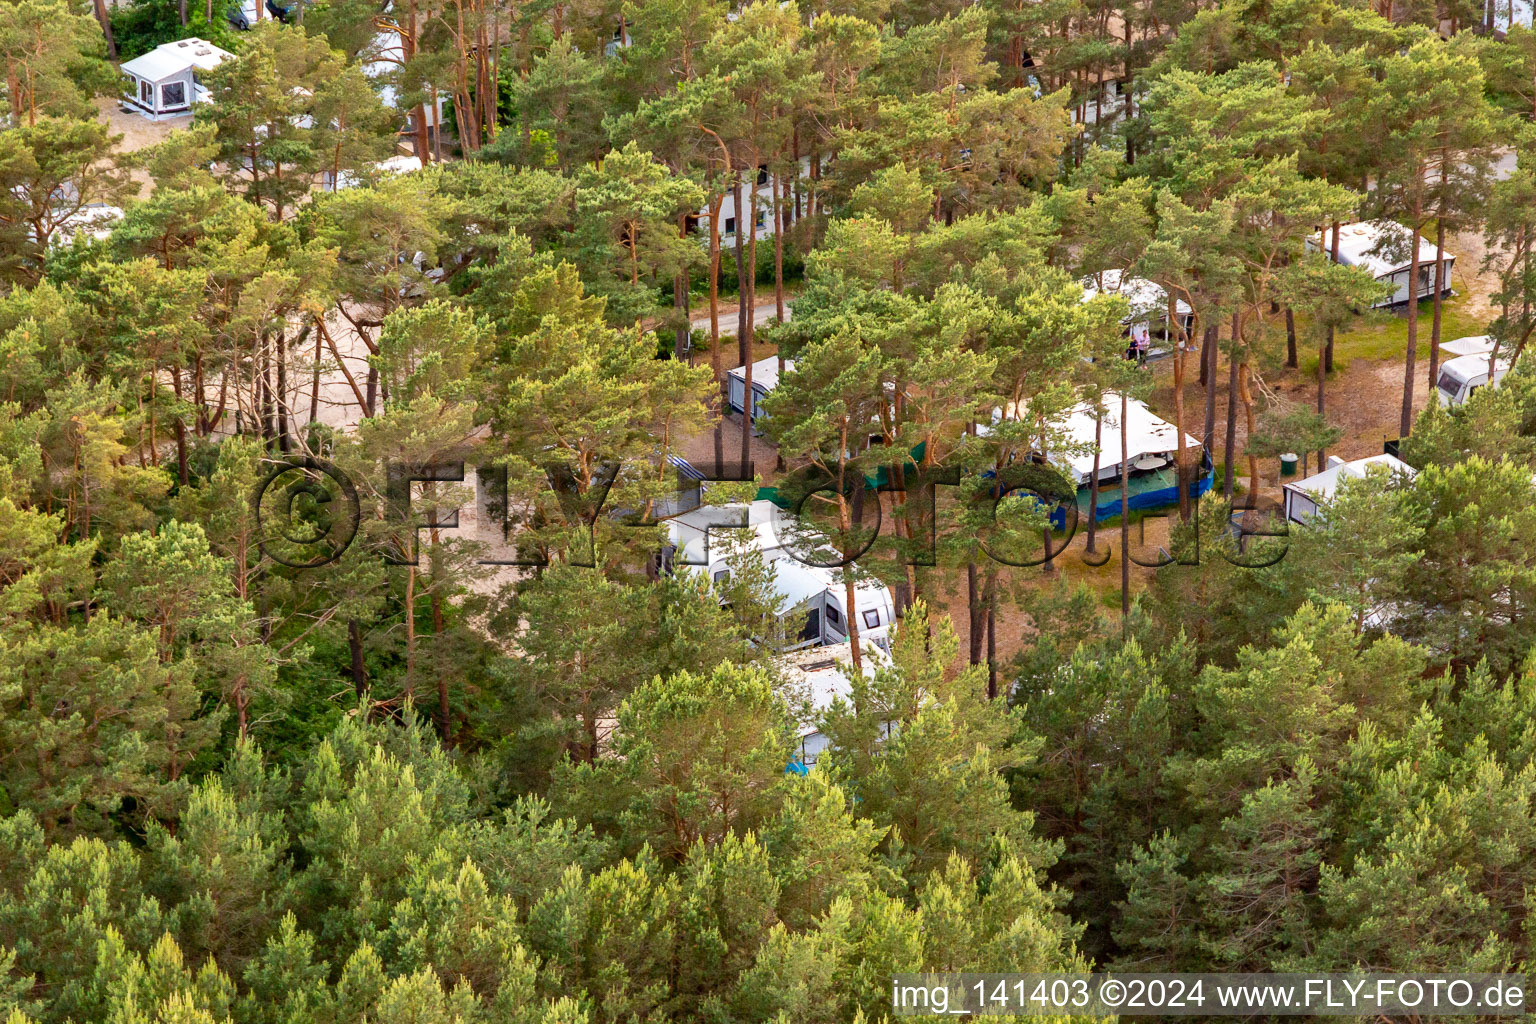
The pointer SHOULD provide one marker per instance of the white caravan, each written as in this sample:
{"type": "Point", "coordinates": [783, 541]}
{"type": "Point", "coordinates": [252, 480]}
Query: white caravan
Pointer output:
{"type": "Point", "coordinates": [1463, 375]}
{"type": "Point", "coordinates": [812, 600]}
{"type": "Point", "coordinates": [1303, 498]}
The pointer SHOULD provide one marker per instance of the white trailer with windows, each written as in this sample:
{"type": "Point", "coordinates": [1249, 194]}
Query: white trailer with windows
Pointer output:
{"type": "Point", "coordinates": [1385, 248]}
{"type": "Point", "coordinates": [1463, 375]}
{"type": "Point", "coordinates": [765, 377]}
{"type": "Point", "coordinates": [812, 600]}
{"type": "Point", "coordinates": [1303, 498]}
{"type": "Point", "coordinates": [164, 82]}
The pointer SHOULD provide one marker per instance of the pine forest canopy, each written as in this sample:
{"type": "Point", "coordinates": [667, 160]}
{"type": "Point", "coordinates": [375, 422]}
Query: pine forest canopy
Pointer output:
{"type": "Point", "coordinates": [464, 775]}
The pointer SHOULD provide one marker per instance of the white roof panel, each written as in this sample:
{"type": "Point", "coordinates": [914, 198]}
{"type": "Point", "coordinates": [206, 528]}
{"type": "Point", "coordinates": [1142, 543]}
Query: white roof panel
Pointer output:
{"type": "Point", "coordinates": [765, 372]}
{"type": "Point", "coordinates": [1381, 246]}
{"type": "Point", "coordinates": [1147, 298]}
{"type": "Point", "coordinates": [170, 59]}
{"type": "Point", "coordinates": [1321, 486]}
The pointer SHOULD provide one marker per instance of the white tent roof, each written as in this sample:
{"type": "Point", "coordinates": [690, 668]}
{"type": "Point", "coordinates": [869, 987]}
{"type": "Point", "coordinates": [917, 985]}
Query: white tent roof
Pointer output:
{"type": "Point", "coordinates": [1478, 344]}
{"type": "Point", "coordinates": [1359, 244]}
{"type": "Point", "coordinates": [765, 372]}
{"type": "Point", "coordinates": [1147, 298]}
{"type": "Point", "coordinates": [170, 59]}
{"type": "Point", "coordinates": [1321, 486]}
{"type": "Point", "coordinates": [1147, 434]}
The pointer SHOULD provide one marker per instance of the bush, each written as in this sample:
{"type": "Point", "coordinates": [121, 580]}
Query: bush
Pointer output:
{"type": "Point", "coordinates": [142, 25]}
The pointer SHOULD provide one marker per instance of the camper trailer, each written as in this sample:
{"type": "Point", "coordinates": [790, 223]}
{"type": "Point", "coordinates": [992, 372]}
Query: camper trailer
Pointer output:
{"type": "Point", "coordinates": [765, 377]}
{"type": "Point", "coordinates": [1149, 306]}
{"type": "Point", "coordinates": [1304, 498]}
{"type": "Point", "coordinates": [1384, 248]}
{"type": "Point", "coordinates": [164, 82]}
{"type": "Point", "coordinates": [1463, 375]}
{"type": "Point", "coordinates": [822, 676]}
{"type": "Point", "coordinates": [812, 600]}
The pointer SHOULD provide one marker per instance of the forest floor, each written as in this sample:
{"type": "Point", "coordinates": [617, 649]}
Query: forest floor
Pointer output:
{"type": "Point", "coordinates": [137, 133]}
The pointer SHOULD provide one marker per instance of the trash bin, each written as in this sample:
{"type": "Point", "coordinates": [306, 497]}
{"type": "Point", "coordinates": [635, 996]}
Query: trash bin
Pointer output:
{"type": "Point", "coordinates": [1288, 464]}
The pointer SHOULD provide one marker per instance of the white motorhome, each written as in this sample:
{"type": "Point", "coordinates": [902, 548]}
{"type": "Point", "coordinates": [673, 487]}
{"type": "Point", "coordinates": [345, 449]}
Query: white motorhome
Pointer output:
{"type": "Point", "coordinates": [812, 600]}
{"type": "Point", "coordinates": [822, 676]}
{"type": "Point", "coordinates": [1463, 375]}
{"type": "Point", "coordinates": [1303, 498]}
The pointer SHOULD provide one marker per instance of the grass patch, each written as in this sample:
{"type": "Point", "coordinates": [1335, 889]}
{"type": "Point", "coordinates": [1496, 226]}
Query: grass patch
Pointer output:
{"type": "Point", "coordinates": [1379, 335]}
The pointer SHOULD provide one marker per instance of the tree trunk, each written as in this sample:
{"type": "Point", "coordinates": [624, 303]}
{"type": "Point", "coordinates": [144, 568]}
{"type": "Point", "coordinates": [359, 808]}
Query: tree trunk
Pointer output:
{"type": "Point", "coordinates": [1247, 397]}
{"type": "Point", "coordinates": [778, 252]}
{"type": "Point", "coordinates": [1125, 517]}
{"type": "Point", "coordinates": [1180, 455]}
{"type": "Point", "coordinates": [1093, 481]}
{"type": "Point", "coordinates": [1208, 378]}
{"type": "Point", "coordinates": [1322, 454]}
{"type": "Point", "coordinates": [1291, 359]}
{"type": "Point", "coordinates": [314, 381]}
{"type": "Point", "coordinates": [282, 391]}
{"type": "Point", "coordinates": [1229, 449]}
{"type": "Point", "coordinates": [974, 606]}
{"type": "Point", "coordinates": [992, 635]}
{"type": "Point", "coordinates": [1434, 329]}
{"type": "Point", "coordinates": [1333, 255]}
{"type": "Point", "coordinates": [105, 21]}
{"type": "Point", "coordinates": [1405, 423]}
{"type": "Point", "coordinates": [714, 325]}
{"type": "Point", "coordinates": [181, 429]}
{"type": "Point", "coordinates": [444, 724]}
{"type": "Point", "coordinates": [744, 325]}
{"type": "Point", "coordinates": [680, 347]}
{"type": "Point", "coordinates": [355, 645]}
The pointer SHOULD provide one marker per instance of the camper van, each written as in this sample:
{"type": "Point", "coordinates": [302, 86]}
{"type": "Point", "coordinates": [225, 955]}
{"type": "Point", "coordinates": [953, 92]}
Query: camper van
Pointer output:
{"type": "Point", "coordinates": [1463, 375]}
{"type": "Point", "coordinates": [812, 600]}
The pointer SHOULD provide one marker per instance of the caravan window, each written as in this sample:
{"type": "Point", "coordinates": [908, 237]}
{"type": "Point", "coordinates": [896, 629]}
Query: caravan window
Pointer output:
{"type": "Point", "coordinates": [721, 575]}
{"type": "Point", "coordinates": [832, 615]}
{"type": "Point", "coordinates": [147, 93]}
{"type": "Point", "coordinates": [173, 94]}
{"type": "Point", "coordinates": [872, 618]}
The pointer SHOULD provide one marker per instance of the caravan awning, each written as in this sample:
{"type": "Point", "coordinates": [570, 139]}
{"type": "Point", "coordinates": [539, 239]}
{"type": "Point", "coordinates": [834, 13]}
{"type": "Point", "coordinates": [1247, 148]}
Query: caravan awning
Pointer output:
{"type": "Point", "coordinates": [1148, 434]}
{"type": "Point", "coordinates": [1148, 299]}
